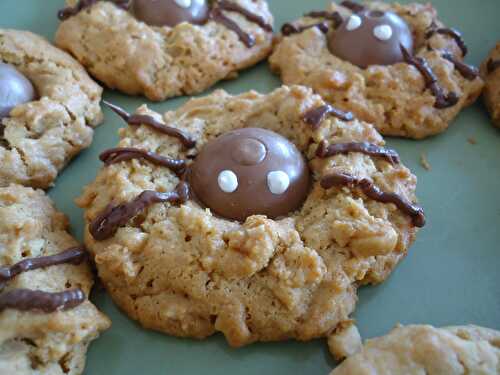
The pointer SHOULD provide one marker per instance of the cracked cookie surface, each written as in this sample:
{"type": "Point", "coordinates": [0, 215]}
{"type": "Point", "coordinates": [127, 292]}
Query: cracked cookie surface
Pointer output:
{"type": "Point", "coordinates": [34, 341]}
{"type": "Point", "coordinates": [179, 269]}
{"type": "Point", "coordinates": [490, 70]}
{"type": "Point", "coordinates": [422, 349]}
{"type": "Point", "coordinates": [162, 62]}
{"type": "Point", "coordinates": [395, 98]}
{"type": "Point", "coordinates": [40, 137]}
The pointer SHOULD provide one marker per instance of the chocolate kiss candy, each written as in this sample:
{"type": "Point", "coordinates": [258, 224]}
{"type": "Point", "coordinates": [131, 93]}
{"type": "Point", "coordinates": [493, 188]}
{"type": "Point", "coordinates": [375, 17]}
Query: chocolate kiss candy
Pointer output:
{"type": "Point", "coordinates": [170, 12]}
{"type": "Point", "coordinates": [15, 89]}
{"type": "Point", "coordinates": [371, 37]}
{"type": "Point", "coordinates": [250, 171]}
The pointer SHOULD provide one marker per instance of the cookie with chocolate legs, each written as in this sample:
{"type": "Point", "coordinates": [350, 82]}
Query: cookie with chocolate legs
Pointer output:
{"type": "Point", "coordinates": [46, 319]}
{"type": "Point", "coordinates": [423, 349]}
{"type": "Point", "coordinates": [255, 215]}
{"type": "Point", "coordinates": [490, 70]}
{"type": "Point", "coordinates": [396, 66]}
{"type": "Point", "coordinates": [165, 48]}
{"type": "Point", "coordinates": [48, 109]}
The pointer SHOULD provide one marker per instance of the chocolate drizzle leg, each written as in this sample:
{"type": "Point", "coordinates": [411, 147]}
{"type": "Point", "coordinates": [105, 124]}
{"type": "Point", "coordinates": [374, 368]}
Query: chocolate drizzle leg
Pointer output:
{"type": "Point", "coordinates": [335, 17]}
{"type": "Point", "coordinates": [75, 255]}
{"type": "Point", "coordinates": [69, 12]}
{"type": "Point", "coordinates": [252, 17]}
{"type": "Point", "coordinates": [352, 5]}
{"type": "Point", "coordinates": [247, 39]}
{"type": "Point", "coordinates": [289, 28]}
{"type": "Point", "coordinates": [324, 150]}
{"type": "Point", "coordinates": [431, 81]}
{"type": "Point", "coordinates": [455, 34]}
{"type": "Point", "coordinates": [107, 223]}
{"type": "Point", "coordinates": [373, 192]}
{"type": "Point", "coordinates": [27, 300]}
{"type": "Point", "coordinates": [492, 65]}
{"type": "Point", "coordinates": [469, 72]}
{"type": "Point", "coordinates": [117, 155]}
{"type": "Point", "coordinates": [137, 120]}
{"type": "Point", "coordinates": [217, 15]}
{"type": "Point", "coordinates": [315, 116]}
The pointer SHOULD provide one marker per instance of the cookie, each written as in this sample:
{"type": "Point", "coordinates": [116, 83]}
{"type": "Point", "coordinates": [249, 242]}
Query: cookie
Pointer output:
{"type": "Point", "coordinates": [490, 70]}
{"type": "Point", "coordinates": [48, 109]}
{"type": "Point", "coordinates": [46, 320]}
{"type": "Point", "coordinates": [423, 349]}
{"type": "Point", "coordinates": [396, 66]}
{"type": "Point", "coordinates": [169, 48]}
{"type": "Point", "coordinates": [186, 222]}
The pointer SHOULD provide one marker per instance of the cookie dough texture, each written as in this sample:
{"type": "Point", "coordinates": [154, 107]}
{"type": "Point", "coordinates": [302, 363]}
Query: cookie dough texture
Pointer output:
{"type": "Point", "coordinates": [35, 342]}
{"type": "Point", "coordinates": [41, 137]}
{"type": "Point", "coordinates": [185, 272]}
{"type": "Point", "coordinates": [161, 62]}
{"type": "Point", "coordinates": [394, 98]}
{"type": "Point", "coordinates": [421, 349]}
{"type": "Point", "coordinates": [491, 92]}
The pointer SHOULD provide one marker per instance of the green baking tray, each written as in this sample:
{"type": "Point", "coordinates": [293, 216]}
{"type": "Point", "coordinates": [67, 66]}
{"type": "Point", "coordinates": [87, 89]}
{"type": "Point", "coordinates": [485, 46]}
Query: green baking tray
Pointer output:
{"type": "Point", "coordinates": [451, 275]}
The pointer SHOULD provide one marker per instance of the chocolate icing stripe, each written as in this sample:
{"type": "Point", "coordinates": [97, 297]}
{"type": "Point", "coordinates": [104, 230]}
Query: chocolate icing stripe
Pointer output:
{"type": "Point", "coordinates": [289, 29]}
{"type": "Point", "coordinates": [431, 81]}
{"type": "Point", "coordinates": [492, 65]}
{"type": "Point", "coordinates": [315, 116]}
{"type": "Point", "coordinates": [455, 34]}
{"type": "Point", "coordinates": [373, 192]}
{"type": "Point", "coordinates": [69, 12]}
{"type": "Point", "coordinates": [117, 155]}
{"type": "Point", "coordinates": [107, 223]}
{"type": "Point", "coordinates": [27, 300]}
{"type": "Point", "coordinates": [324, 150]}
{"type": "Point", "coordinates": [252, 17]}
{"type": "Point", "coordinates": [137, 120]}
{"type": "Point", "coordinates": [247, 39]}
{"type": "Point", "coordinates": [352, 5]}
{"type": "Point", "coordinates": [330, 16]}
{"type": "Point", "coordinates": [75, 255]}
{"type": "Point", "coordinates": [469, 72]}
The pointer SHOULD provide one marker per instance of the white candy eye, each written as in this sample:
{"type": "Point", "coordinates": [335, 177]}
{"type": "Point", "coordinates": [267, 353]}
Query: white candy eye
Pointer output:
{"type": "Point", "coordinates": [183, 3]}
{"type": "Point", "coordinates": [198, 2]}
{"type": "Point", "coordinates": [383, 32]}
{"type": "Point", "coordinates": [353, 23]}
{"type": "Point", "coordinates": [278, 182]}
{"type": "Point", "coordinates": [228, 181]}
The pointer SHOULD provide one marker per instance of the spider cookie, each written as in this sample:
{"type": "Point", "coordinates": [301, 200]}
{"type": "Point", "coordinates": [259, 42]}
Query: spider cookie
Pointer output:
{"type": "Point", "coordinates": [422, 349]}
{"type": "Point", "coordinates": [490, 70]}
{"type": "Point", "coordinates": [48, 109]}
{"type": "Point", "coordinates": [396, 66]}
{"type": "Point", "coordinates": [166, 48]}
{"type": "Point", "coordinates": [46, 319]}
{"type": "Point", "coordinates": [253, 215]}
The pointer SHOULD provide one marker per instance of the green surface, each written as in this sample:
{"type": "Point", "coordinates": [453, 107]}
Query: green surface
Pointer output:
{"type": "Point", "coordinates": [451, 275]}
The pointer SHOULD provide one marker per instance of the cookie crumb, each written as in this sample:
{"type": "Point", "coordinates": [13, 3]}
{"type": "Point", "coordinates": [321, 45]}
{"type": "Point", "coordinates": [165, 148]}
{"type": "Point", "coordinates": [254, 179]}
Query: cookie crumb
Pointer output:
{"type": "Point", "coordinates": [424, 162]}
{"type": "Point", "coordinates": [472, 140]}
{"type": "Point", "coordinates": [345, 341]}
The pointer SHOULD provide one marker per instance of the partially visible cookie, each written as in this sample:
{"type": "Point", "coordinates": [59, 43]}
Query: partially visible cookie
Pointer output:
{"type": "Point", "coordinates": [46, 319]}
{"type": "Point", "coordinates": [202, 219]}
{"type": "Point", "coordinates": [396, 66]}
{"type": "Point", "coordinates": [167, 48]}
{"type": "Point", "coordinates": [422, 349]}
{"type": "Point", "coordinates": [48, 109]}
{"type": "Point", "coordinates": [490, 71]}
